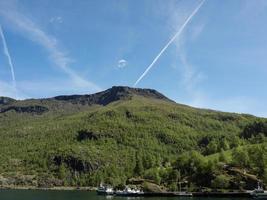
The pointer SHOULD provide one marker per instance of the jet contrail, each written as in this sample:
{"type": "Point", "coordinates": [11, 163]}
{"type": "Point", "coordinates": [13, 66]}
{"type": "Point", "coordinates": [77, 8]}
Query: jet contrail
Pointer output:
{"type": "Point", "coordinates": [168, 44]}
{"type": "Point", "coordinates": [6, 52]}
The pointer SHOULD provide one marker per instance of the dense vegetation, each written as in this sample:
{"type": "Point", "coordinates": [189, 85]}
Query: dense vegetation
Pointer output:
{"type": "Point", "coordinates": [128, 135]}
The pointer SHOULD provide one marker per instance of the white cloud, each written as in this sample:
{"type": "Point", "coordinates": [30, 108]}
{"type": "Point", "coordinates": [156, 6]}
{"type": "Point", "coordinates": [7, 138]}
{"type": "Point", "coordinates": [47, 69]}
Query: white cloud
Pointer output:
{"type": "Point", "coordinates": [56, 19]}
{"type": "Point", "coordinates": [29, 29]}
{"type": "Point", "coordinates": [196, 31]}
{"type": "Point", "coordinates": [122, 63]}
{"type": "Point", "coordinates": [191, 75]}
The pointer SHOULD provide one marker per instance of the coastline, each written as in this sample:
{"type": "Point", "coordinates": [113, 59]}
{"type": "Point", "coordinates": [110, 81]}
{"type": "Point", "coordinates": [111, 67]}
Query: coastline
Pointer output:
{"type": "Point", "coordinates": [245, 194]}
{"type": "Point", "coordinates": [59, 188]}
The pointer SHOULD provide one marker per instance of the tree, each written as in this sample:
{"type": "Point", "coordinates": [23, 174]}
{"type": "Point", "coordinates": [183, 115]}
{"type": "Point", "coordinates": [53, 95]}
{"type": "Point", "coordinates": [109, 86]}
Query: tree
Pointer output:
{"type": "Point", "coordinates": [212, 147]}
{"type": "Point", "coordinates": [265, 176]}
{"type": "Point", "coordinates": [224, 145]}
{"type": "Point", "coordinates": [222, 157]}
{"type": "Point", "coordinates": [175, 175]}
{"type": "Point", "coordinates": [139, 168]}
{"type": "Point", "coordinates": [62, 172]}
{"type": "Point", "coordinates": [221, 182]}
{"type": "Point", "coordinates": [240, 157]}
{"type": "Point", "coordinates": [153, 174]}
{"type": "Point", "coordinates": [254, 129]}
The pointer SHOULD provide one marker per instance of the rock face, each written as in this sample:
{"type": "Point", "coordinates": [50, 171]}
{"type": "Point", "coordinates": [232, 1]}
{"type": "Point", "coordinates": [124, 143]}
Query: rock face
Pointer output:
{"type": "Point", "coordinates": [89, 135]}
{"type": "Point", "coordinates": [25, 109]}
{"type": "Point", "coordinates": [114, 94]}
{"type": "Point", "coordinates": [75, 164]}
{"type": "Point", "coordinates": [152, 187]}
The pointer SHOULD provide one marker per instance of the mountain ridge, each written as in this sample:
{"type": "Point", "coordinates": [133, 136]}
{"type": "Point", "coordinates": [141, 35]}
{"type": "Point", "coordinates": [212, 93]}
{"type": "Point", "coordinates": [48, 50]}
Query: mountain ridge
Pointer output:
{"type": "Point", "coordinates": [103, 97]}
{"type": "Point", "coordinates": [62, 102]}
{"type": "Point", "coordinates": [114, 94]}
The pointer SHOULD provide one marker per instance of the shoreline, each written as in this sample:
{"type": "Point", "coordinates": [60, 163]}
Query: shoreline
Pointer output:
{"type": "Point", "coordinates": [244, 194]}
{"type": "Point", "coordinates": [59, 188]}
{"type": "Point", "coordinates": [147, 194]}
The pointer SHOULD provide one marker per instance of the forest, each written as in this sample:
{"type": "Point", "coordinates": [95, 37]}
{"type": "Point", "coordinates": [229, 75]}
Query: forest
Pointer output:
{"type": "Point", "coordinates": [129, 136]}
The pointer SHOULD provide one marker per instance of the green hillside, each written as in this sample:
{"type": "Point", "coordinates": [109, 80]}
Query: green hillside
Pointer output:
{"type": "Point", "coordinates": [125, 133]}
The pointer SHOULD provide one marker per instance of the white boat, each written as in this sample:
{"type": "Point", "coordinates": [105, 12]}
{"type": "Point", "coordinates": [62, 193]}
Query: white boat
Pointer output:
{"type": "Point", "coordinates": [183, 194]}
{"type": "Point", "coordinates": [129, 192]}
{"type": "Point", "coordinates": [259, 193]}
{"type": "Point", "coordinates": [105, 190]}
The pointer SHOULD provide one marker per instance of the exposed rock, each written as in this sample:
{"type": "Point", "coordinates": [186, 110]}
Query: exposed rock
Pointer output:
{"type": "Point", "coordinates": [18, 180]}
{"type": "Point", "coordinates": [49, 182]}
{"type": "Point", "coordinates": [75, 164]}
{"type": "Point", "coordinates": [89, 135]}
{"type": "Point", "coordinates": [152, 187]}
{"type": "Point", "coordinates": [3, 181]}
{"type": "Point", "coordinates": [113, 94]}
{"type": "Point", "coordinates": [85, 135]}
{"type": "Point", "coordinates": [26, 109]}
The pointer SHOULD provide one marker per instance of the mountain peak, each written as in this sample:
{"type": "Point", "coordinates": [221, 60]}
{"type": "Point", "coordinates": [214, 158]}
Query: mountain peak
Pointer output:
{"type": "Point", "coordinates": [150, 93]}
{"type": "Point", "coordinates": [113, 94]}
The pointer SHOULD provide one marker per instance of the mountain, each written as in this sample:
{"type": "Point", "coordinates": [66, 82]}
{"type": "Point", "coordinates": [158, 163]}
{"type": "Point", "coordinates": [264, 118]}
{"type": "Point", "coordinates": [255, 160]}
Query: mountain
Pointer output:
{"type": "Point", "coordinates": [39, 106]}
{"type": "Point", "coordinates": [111, 95]}
{"type": "Point", "coordinates": [124, 134]}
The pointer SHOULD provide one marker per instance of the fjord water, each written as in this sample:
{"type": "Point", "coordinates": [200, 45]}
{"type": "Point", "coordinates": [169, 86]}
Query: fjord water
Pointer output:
{"type": "Point", "coordinates": [78, 195]}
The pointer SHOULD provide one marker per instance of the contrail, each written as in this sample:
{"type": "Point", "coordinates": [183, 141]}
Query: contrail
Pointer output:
{"type": "Point", "coordinates": [6, 52]}
{"type": "Point", "coordinates": [168, 44]}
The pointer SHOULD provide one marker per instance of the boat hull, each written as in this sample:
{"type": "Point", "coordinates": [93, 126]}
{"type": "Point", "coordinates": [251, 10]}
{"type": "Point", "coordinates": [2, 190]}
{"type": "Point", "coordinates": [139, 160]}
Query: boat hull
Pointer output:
{"type": "Point", "coordinates": [260, 196]}
{"type": "Point", "coordinates": [130, 194]}
{"type": "Point", "coordinates": [104, 193]}
{"type": "Point", "coordinates": [183, 194]}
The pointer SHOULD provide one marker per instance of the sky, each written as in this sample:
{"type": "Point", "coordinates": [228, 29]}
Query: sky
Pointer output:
{"type": "Point", "coordinates": [217, 61]}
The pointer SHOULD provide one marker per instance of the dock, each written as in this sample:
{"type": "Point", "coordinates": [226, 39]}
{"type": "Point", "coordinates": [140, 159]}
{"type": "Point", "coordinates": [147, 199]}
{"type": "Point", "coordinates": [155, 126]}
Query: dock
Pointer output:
{"type": "Point", "coordinates": [166, 194]}
{"type": "Point", "coordinates": [193, 194]}
{"type": "Point", "coordinates": [222, 194]}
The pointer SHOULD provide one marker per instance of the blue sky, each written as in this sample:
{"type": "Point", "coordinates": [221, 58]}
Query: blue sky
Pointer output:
{"type": "Point", "coordinates": [76, 46]}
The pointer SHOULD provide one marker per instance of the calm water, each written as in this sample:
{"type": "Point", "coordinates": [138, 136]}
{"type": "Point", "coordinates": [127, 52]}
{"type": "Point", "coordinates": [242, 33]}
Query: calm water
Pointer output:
{"type": "Point", "coordinates": [79, 195]}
